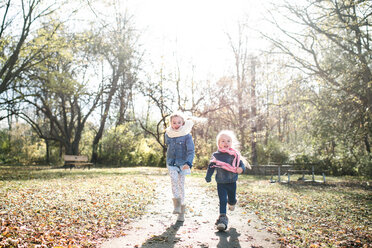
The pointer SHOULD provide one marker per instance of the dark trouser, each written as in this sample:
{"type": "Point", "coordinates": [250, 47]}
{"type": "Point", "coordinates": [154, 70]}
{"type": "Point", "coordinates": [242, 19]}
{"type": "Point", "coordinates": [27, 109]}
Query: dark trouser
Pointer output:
{"type": "Point", "coordinates": [227, 194]}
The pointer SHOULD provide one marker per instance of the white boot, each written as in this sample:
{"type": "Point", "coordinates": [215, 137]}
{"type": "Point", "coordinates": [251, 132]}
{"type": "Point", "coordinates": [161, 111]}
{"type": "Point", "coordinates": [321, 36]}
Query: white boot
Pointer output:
{"type": "Point", "coordinates": [177, 205]}
{"type": "Point", "coordinates": [181, 216]}
{"type": "Point", "coordinates": [231, 207]}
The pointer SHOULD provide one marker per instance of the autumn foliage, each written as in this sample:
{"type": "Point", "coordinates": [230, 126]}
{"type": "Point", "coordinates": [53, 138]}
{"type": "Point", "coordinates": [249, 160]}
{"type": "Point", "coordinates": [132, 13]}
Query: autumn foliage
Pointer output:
{"type": "Point", "coordinates": [336, 214]}
{"type": "Point", "coordinates": [57, 208]}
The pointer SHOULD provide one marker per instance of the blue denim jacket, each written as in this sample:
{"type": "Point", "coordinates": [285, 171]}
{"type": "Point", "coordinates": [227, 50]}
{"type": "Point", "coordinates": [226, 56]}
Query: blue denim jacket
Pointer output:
{"type": "Point", "coordinates": [180, 151]}
{"type": "Point", "coordinates": [223, 176]}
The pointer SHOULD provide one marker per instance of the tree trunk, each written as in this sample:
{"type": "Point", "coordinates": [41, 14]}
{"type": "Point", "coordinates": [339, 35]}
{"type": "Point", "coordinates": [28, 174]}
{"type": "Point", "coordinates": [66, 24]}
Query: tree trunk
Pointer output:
{"type": "Point", "coordinates": [368, 145]}
{"type": "Point", "coordinates": [47, 156]}
{"type": "Point", "coordinates": [60, 150]}
{"type": "Point", "coordinates": [253, 112]}
{"type": "Point", "coordinates": [122, 110]}
{"type": "Point", "coordinates": [240, 113]}
{"type": "Point", "coordinates": [99, 134]}
{"type": "Point", "coordinates": [280, 124]}
{"type": "Point", "coordinates": [69, 150]}
{"type": "Point", "coordinates": [125, 99]}
{"type": "Point", "coordinates": [267, 124]}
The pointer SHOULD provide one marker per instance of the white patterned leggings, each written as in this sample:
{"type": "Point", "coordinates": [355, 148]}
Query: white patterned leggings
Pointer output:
{"type": "Point", "coordinates": [178, 185]}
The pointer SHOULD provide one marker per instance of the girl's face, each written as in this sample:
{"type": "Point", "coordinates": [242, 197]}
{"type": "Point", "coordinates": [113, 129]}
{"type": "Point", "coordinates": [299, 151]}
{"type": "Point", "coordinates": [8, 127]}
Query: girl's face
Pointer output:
{"type": "Point", "coordinates": [224, 142]}
{"type": "Point", "coordinates": [176, 122]}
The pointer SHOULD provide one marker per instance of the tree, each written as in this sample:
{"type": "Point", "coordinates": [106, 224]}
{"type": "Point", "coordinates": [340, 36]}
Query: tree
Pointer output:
{"type": "Point", "coordinates": [18, 49]}
{"type": "Point", "coordinates": [254, 117]}
{"type": "Point", "coordinates": [56, 101]}
{"type": "Point", "coordinates": [241, 56]}
{"type": "Point", "coordinates": [117, 48]}
{"type": "Point", "coordinates": [161, 97]}
{"type": "Point", "coordinates": [333, 48]}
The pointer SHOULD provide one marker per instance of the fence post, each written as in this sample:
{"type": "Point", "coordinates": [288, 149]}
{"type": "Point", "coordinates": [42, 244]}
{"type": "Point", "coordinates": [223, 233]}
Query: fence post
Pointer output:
{"type": "Point", "coordinates": [279, 173]}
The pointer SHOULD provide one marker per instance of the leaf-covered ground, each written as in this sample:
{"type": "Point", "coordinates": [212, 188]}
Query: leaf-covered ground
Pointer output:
{"type": "Point", "coordinates": [337, 214]}
{"type": "Point", "coordinates": [80, 208]}
{"type": "Point", "coordinates": [77, 208]}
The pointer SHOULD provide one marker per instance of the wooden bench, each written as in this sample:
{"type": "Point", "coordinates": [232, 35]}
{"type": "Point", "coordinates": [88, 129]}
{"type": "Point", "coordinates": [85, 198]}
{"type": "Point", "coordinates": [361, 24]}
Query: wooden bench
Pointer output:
{"type": "Point", "coordinates": [76, 161]}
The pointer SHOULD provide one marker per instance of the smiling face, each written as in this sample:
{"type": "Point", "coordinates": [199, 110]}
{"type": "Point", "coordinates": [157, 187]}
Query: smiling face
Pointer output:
{"type": "Point", "coordinates": [177, 122]}
{"type": "Point", "coordinates": [224, 142]}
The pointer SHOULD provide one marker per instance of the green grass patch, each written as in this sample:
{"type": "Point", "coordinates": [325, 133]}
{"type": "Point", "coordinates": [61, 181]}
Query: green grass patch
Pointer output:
{"type": "Point", "coordinates": [42, 207]}
{"type": "Point", "coordinates": [335, 214]}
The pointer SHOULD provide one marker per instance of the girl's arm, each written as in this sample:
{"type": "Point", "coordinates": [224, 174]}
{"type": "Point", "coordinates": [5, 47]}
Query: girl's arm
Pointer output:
{"type": "Point", "coordinates": [210, 172]}
{"type": "Point", "coordinates": [241, 165]}
{"type": "Point", "coordinates": [166, 138]}
{"type": "Point", "coordinates": [190, 150]}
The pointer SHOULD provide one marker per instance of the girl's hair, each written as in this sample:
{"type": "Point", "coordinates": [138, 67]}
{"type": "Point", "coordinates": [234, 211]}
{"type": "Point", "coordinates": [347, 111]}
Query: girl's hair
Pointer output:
{"type": "Point", "coordinates": [185, 117]}
{"type": "Point", "coordinates": [234, 144]}
{"type": "Point", "coordinates": [177, 114]}
{"type": "Point", "coordinates": [234, 141]}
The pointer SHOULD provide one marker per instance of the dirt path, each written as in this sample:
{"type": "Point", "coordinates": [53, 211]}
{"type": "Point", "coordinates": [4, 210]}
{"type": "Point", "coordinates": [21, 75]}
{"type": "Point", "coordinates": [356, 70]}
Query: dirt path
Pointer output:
{"type": "Point", "coordinates": [158, 227]}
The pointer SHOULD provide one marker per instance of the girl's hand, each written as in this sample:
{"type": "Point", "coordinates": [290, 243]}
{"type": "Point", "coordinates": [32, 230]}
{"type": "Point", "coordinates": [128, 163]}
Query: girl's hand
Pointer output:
{"type": "Point", "coordinates": [185, 167]}
{"type": "Point", "coordinates": [239, 170]}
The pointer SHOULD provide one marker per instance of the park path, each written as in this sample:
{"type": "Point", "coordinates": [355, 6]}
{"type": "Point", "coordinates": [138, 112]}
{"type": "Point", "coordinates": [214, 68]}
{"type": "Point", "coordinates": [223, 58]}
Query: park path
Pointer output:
{"type": "Point", "coordinates": [158, 228]}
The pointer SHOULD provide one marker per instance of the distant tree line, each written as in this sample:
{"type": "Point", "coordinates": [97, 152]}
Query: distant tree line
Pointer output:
{"type": "Point", "coordinates": [68, 88]}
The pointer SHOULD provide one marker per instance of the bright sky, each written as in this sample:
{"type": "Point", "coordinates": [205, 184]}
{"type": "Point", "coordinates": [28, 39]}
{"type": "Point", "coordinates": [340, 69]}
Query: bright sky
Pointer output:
{"type": "Point", "coordinates": [193, 32]}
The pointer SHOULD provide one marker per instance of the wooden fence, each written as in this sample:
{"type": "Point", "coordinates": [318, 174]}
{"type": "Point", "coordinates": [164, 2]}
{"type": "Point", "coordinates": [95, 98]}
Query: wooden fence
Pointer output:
{"type": "Point", "coordinates": [279, 171]}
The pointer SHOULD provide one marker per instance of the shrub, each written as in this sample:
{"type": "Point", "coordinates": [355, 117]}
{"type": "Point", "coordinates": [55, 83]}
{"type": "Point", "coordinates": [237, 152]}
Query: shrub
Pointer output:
{"type": "Point", "coordinates": [122, 146]}
{"type": "Point", "coordinates": [365, 166]}
{"type": "Point", "coordinates": [272, 153]}
{"type": "Point", "coordinates": [147, 153]}
{"type": "Point", "coordinates": [23, 146]}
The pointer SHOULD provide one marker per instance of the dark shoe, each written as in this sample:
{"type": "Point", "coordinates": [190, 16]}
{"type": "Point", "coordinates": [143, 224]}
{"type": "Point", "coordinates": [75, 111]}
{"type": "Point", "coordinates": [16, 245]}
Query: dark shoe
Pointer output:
{"type": "Point", "coordinates": [222, 222]}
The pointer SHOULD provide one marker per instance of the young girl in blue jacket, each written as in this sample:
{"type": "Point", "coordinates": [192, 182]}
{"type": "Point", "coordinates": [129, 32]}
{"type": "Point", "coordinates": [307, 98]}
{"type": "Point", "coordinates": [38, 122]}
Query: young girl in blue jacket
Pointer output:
{"type": "Point", "coordinates": [228, 163]}
{"type": "Point", "coordinates": [180, 155]}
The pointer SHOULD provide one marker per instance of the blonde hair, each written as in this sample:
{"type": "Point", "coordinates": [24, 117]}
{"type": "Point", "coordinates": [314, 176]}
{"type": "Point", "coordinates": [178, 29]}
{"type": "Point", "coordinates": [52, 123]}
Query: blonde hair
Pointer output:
{"type": "Point", "coordinates": [235, 144]}
{"type": "Point", "coordinates": [176, 114]}
{"type": "Point", "coordinates": [234, 141]}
